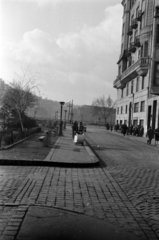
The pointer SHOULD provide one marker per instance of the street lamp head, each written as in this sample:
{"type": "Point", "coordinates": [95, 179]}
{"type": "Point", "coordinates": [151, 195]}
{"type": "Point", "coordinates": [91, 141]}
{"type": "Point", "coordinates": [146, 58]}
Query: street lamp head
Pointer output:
{"type": "Point", "coordinates": [62, 103]}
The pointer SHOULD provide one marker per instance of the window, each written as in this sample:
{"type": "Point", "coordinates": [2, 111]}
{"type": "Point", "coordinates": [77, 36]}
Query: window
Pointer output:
{"type": "Point", "coordinates": [146, 46]}
{"type": "Point", "coordinates": [127, 89]}
{"type": "Point", "coordinates": [137, 11]}
{"type": "Point", "coordinates": [136, 107]}
{"type": "Point", "coordinates": [143, 82]}
{"type": "Point", "coordinates": [122, 47]}
{"type": "Point", "coordinates": [142, 24]}
{"type": "Point", "coordinates": [117, 110]}
{"type": "Point", "coordinates": [126, 108]}
{"type": "Point", "coordinates": [132, 86]}
{"type": "Point", "coordinates": [121, 110]}
{"type": "Point", "coordinates": [142, 106]}
{"type": "Point", "coordinates": [135, 122]}
{"type": "Point", "coordinates": [123, 29]}
{"type": "Point", "coordinates": [156, 80]}
{"type": "Point", "coordinates": [157, 35]}
{"type": "Point", "coordinates": [141, 123]}
{"type": "Point", "coordinates": [137, 84]}
{"type": "Point", "coordinates": [119, 70]}
{"type": "Point", "coordinates": [122, 90]}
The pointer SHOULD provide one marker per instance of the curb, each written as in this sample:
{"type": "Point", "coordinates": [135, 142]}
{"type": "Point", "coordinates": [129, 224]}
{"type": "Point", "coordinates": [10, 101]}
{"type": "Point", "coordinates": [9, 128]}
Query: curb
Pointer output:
{"type": "Point", "coordinates": [12, 162]}
{"type": "Point", "coordinates": [96, 154]}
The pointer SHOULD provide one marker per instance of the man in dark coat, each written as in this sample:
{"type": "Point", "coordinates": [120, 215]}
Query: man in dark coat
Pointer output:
{"type": "Point", "coordinates": [150, 134]}
{"type": "Point", "coordinates": [124, 129]}
{"type": "Point", "coordinates": [156, 135]}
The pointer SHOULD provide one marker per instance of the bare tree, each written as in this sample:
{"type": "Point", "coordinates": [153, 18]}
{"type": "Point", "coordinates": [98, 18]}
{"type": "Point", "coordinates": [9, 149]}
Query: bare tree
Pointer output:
{"type": "Point", "coordinates": [103, 107]}
{"type": "Point", "coordinates": [21, 94]}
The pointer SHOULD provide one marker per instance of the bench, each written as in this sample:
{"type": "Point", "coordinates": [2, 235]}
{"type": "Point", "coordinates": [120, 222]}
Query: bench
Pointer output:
{"type": "Point", "coordinates": [41, 138]}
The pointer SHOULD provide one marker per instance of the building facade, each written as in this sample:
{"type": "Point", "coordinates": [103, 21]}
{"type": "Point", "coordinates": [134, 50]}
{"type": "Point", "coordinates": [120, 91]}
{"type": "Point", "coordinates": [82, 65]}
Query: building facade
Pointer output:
{"type": "Point", "coordinates": [137, 82]}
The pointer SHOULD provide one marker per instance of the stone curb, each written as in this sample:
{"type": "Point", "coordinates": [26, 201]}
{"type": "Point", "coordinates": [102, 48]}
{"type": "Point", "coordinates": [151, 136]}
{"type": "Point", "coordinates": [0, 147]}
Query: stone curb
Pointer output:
{"type": "Point", "coordinates": [96, 154]}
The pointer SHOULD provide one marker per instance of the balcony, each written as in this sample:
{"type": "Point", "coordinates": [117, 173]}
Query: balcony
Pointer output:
{"type": "Point", "coordinates": [137, 42]}
{"type": "Point", "coordinates": [127, 53]}
{"type": "Point", "coordinates": [117, 83]}
{"type": "Point", "coordinates": [139, 16]}
{"type": "Point", "coordinates": [132, 48]}
{"type": "Point", "coordinates": [154, 90]}
{"type": "Point", "coordinates": [139, 68]}
{"type": "Point", "coordinates": [134, 23]}
{"type": "Point", "coordinates": [130, 31]}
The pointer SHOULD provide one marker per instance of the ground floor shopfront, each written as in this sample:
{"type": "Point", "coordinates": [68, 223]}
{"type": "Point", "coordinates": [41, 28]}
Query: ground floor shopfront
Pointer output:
{"type": "Point", "coordinates": [139, 109]}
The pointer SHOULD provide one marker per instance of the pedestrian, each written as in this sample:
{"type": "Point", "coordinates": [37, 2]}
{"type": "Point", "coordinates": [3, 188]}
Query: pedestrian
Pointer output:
{"type": "Point", "coordinates": [124, 129]}
{"type": "Point", "coordinates": [81, 127]}
{"type": "Point", "coordinates": [74, 128]}
{"type": "Point", "coordinates": [150, 135]}
{"type": "Point", "coordinates": [156, 135]}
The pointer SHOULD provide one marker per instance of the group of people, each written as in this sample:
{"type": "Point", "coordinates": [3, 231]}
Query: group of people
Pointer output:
{"type": "Point", "coordinates": [77, 128]}
{"type": "Point", "coordinates": [137, 130]}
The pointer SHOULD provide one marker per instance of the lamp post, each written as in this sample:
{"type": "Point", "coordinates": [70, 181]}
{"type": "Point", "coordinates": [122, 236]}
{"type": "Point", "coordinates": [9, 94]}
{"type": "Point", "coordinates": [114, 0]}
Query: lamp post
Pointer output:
{"type": "Point", "coordinates": [65, 119]}
{"type": "Point", "coordinates": [60, 132]}
{"type": "Point", "coordinates": [57, 115]}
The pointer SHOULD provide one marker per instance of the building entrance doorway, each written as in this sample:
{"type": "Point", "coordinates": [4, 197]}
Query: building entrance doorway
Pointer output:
{"type": "Point", "coordinates": [149, 117]}
{"type": "Point", "coordinates": [154, 114]}
{"type": "Point", "coordinates": [130, 110]}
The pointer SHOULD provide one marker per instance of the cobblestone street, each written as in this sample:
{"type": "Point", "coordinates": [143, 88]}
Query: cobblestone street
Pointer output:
{"type": "Point", "coordinates": [123, 192]}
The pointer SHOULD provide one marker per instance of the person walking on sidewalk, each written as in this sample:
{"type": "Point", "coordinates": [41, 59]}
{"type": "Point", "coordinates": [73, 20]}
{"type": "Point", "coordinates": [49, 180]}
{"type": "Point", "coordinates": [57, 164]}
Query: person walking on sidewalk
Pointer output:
{"type": "Point", "coordinates": [150, 135]}
{"type": "Point", "coordinates": [74, 128]}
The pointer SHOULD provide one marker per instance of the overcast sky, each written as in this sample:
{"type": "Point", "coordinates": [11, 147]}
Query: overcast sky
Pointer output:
{"type": "Point", "coordinates": [72, 44]}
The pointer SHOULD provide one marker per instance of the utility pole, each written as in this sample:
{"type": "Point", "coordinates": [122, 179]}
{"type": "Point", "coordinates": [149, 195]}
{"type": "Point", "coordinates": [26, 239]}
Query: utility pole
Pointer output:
{"type": "Point", "coordinates": [69, 113]}
{"type": "Point", "coordinates": [72, 113]}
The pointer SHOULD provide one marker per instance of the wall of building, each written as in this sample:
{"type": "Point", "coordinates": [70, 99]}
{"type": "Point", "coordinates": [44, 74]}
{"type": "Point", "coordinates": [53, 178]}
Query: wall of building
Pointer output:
{"type": "Point", "coordinates": [146, 31]}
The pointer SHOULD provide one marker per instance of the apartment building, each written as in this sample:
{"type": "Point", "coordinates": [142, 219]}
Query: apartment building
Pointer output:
{"type": "Point", "coordinates": [137, 82]}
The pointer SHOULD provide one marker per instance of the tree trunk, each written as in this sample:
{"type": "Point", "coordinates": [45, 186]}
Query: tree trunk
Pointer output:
{"type": "Point", "coordinates": [21, 123]}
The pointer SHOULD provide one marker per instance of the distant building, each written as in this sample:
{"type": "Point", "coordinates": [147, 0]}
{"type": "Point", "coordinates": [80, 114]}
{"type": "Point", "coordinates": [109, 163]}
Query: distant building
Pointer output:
{"type": "Point", "coordinates": [85, 114]}
{"type": "Point", "coordinates": [137, 82]}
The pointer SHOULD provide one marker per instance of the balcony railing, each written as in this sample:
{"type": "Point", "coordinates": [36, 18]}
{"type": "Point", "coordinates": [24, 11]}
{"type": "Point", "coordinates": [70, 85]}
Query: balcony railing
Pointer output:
{"type": "Point", "coordinates": [117, 83]}
{"type": "Point", "coordinates": [132, 48]}
{"type": "Point", "coordinates": [139, 16]}
{"type": "Point", "coordinates": [137, 42]}
{"type": "Point", "coordinates": [134, 23]}
{"type": "Point", "coordinates": [138, 68]}
{"type": "Point", "coordinates": [127, 53]}
{"type": "Point", "coordinates": [130, 31]}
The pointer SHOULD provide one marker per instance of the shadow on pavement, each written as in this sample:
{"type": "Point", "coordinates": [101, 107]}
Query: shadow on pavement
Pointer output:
{"type": "Point", "coordinates": [43, 223]}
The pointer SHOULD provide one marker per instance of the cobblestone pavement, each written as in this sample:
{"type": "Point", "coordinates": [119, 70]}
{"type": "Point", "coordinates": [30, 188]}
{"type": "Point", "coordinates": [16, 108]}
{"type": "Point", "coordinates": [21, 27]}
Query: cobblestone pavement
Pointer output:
{"type": "Point", "coordinates": [124, 193]}
{"type": "Point", "coordinates": [134, 166]}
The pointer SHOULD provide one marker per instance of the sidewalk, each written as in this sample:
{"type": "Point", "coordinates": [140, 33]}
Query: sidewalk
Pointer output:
{"type": "Point", "coordinates": [64, 202]}
{"type": "Point", "coordinates": [62, 151]}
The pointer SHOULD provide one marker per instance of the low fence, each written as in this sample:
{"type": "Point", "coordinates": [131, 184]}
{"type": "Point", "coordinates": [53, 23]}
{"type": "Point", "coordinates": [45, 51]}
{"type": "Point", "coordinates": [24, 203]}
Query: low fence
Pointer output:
{"type": "Point", "coordinates": [11, 136]}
